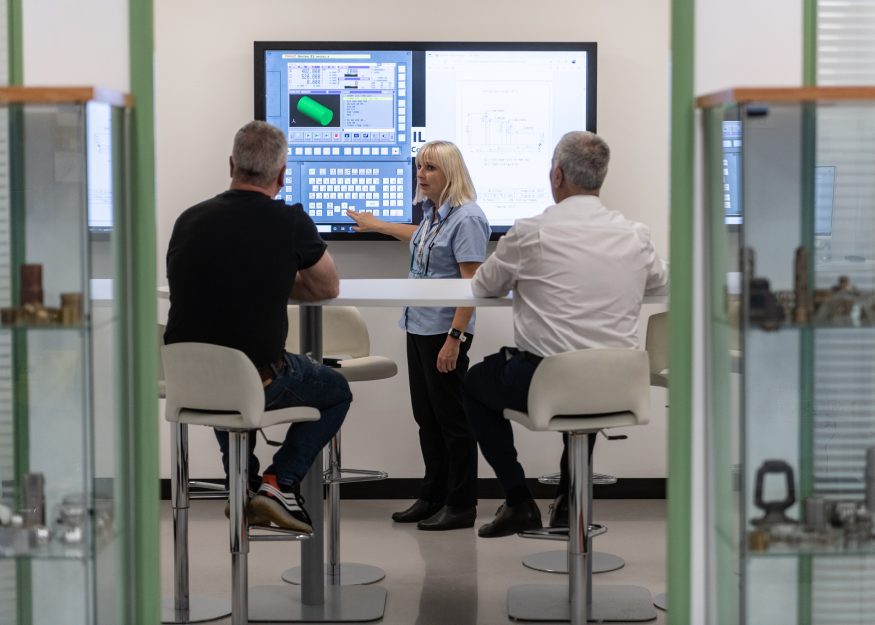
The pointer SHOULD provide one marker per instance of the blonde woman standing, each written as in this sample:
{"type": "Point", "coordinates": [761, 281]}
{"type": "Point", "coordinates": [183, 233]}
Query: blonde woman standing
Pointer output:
{"type": "Point", "coordinates": [450, 242]}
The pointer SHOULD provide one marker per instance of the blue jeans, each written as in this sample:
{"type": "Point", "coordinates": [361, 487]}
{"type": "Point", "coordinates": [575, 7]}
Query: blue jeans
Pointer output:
{"type": "Point", "coordinates": [301, 383]}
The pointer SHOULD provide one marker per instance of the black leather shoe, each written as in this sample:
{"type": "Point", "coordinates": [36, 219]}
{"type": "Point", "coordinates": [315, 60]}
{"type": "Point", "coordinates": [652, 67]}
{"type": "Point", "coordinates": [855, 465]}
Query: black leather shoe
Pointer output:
{"type": "Point", "coordinates": [512, 519]}
{"type": "Point", "coordinates": [559, 511]}
{"type": "Point", "coordinates": [420, 510]}
{"type": "Point", "coordinates": [449, 518]}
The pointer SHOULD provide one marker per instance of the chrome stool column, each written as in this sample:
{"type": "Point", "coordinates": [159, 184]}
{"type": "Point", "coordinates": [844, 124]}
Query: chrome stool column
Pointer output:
{"type": "Point", "coordinates": [581, 393]}
{"type": "Point", "coordinates": [225, 393]}
{"type": "Point", "coordinates": [556, 561]}
{"type": "Point", "coordinates": [345, 334]}
{"type": "Point", "coordinates": [182, 607]}
{"type": "Point", "coordinates": [339, 573]}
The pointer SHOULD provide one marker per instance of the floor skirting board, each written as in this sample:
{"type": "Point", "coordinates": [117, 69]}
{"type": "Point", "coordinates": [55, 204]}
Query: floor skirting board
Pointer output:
{"type": "Point", "coordinates": [488, 488]}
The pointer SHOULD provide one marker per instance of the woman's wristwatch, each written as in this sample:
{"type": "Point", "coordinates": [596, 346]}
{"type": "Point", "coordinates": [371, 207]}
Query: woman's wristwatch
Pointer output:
{"type": "Point", "coordinates": [458, 335]}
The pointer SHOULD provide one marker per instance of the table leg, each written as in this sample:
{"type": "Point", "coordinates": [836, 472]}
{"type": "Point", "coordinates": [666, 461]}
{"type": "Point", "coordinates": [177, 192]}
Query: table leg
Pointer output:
{"type": "Point", "coordinates": [311, 603]}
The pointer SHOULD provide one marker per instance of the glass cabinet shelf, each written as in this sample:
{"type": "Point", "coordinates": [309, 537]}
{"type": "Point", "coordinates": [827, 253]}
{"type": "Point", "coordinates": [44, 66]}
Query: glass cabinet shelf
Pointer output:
{"type": "Point", "coordinates": [64, 455]}
{"type": "Point", "coordinates": [23, 543]}
{"type": "Point", "coordinates": [813, 550]}
{"type": "Point", "coordinates": [46, 327]}
{"type": "Point", "coordinates": [788, 352]}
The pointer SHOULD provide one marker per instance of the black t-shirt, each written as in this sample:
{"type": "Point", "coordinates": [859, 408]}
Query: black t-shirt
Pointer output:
{"type": "Point", "coordinates": [231, 265]}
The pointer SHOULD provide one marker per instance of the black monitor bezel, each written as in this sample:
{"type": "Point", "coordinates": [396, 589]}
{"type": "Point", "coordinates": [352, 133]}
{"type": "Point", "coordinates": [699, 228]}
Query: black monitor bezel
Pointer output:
{"type": "Point", "coordinates": [590, 47]}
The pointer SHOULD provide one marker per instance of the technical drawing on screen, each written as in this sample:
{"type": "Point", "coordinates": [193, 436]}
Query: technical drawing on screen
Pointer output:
{"type": "Point", "coordinates": [355, 114]}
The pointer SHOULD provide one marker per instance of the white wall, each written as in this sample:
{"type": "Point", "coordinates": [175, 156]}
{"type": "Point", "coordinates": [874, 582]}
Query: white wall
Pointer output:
{"type": "Point", "coordinates": [747, 43]}
{"type": "Point", "coordinates": [76, 43]}
{"type": "Point", "coordinates": [204, 93]}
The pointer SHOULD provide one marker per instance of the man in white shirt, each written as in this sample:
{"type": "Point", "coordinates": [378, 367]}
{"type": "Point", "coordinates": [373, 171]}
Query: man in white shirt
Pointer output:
{"type": "Point", "coordinates": [579, 272]}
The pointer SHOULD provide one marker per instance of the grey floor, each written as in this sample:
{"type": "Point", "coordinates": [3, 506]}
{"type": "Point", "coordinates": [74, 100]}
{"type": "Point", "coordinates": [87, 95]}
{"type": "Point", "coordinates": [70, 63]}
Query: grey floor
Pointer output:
{"type": "Point", "coordinates": [432, 578]}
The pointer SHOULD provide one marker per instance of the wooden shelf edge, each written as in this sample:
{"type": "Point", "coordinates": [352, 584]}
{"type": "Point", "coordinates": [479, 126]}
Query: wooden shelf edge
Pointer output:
{"type": "Point", "coordinates": [61, 95]}
{"type": "Point", "coordinates": [737, 95]}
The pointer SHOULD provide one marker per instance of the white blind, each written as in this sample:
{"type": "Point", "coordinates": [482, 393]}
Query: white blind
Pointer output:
{"type": "Point", "coordinates": [844, 390]}
{"type": "Point", "coordinates": [845, 42]}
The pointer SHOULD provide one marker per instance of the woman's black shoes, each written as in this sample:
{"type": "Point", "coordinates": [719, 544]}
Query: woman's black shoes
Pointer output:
{"type": "Point", "coordinates": [449, 518]}
{"type": "Point", "coordinates": [512, 520]}
{"type": "Point", "coordinates": [419, 511]}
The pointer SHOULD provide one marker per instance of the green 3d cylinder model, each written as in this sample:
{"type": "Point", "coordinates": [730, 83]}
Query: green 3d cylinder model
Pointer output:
{"type": "Point", "coordinates": [312, 109]}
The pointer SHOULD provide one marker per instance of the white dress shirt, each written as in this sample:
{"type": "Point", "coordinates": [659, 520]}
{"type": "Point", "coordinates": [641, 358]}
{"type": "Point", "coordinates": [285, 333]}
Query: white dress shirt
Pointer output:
{"type": "Point", "coordinates": [579, 272]}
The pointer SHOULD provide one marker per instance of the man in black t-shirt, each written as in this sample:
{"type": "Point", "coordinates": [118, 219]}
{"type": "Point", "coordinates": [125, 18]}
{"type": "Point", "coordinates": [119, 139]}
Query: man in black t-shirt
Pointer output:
{"type": "Point", "coordinates": [232, 263]}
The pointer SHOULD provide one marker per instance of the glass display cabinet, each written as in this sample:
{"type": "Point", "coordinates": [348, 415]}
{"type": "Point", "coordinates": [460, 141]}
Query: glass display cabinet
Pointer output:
{"type": "Point", "coordinates": [63, 155]}
{"type": "Point", "coordinates": [789, 340]}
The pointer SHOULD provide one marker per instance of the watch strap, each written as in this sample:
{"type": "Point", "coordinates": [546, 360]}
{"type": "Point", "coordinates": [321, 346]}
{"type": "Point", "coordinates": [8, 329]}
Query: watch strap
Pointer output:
{"type": "Point", "coordinates": [457, 334]}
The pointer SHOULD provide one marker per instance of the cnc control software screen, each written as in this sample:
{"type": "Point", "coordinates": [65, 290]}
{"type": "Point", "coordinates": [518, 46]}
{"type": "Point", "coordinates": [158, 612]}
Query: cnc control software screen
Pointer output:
{"type": "Point", "coordinates": [354, 119]}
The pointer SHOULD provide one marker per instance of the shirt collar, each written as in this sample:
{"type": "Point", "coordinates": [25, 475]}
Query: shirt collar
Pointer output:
{"type": "Point", "coordinates": [428, 209]}
{"type": "Point", "coordinates": [578, 203]}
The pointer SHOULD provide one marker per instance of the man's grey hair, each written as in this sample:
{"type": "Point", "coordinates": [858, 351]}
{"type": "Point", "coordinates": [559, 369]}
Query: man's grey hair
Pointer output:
{"type": "Point", "coordinates": [260, 151]}
{"type": "Point", "coordinates": [583, 157]}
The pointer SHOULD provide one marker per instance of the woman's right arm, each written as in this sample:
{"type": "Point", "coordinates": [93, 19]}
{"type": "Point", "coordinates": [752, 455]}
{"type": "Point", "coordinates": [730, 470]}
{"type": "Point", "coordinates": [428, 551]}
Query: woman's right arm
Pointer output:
{"type": "Point", "coordinates": [366, 222]}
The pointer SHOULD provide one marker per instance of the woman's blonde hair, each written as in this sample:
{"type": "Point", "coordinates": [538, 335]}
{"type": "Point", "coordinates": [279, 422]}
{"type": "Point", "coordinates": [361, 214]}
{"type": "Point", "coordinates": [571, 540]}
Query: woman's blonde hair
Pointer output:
{"type": "Point", "coordinates": [447, 157]}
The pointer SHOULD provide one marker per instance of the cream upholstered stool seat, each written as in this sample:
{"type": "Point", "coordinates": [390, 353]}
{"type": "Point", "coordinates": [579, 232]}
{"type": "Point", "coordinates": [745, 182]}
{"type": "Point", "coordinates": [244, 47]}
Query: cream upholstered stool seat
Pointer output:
{"type": "Point", "coordinates": [219, 387]}
{"type": "Point", "coordinates": [581, 393]}
{"type": "Point", "coordinates": [347, 345]}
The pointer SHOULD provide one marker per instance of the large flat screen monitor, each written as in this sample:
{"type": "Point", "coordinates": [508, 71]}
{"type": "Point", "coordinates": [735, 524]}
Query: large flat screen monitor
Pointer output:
{"type": "Point", "coordinates": [355, 114]}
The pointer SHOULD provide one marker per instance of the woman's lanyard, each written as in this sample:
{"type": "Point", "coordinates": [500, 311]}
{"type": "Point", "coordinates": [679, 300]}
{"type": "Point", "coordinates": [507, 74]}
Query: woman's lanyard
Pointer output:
{"type": "Point", "coordinates": [422, 250]}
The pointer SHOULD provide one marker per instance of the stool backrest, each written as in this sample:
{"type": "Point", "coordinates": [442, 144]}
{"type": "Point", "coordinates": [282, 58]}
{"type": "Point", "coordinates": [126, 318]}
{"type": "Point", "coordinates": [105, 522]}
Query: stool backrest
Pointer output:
{"type": "Point", "coordinates": [344, 332]}
{"type": "Point", "coordinates": [220, 382]}
{"type": "Point", "coordinates": [610, 387]}
{"type": "Point", "coordinates": [656, 345]}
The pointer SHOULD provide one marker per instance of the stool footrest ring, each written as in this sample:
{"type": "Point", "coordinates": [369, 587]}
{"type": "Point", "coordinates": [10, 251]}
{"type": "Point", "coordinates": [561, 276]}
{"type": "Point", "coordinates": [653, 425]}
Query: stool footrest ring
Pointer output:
{"type": "Point", "coordinates": [561, 533]}
{"type": "Point", "coordinates": [354, 475]}
{"type": "Point", "coordinates": [207, 486]}
{"type": "Point", "coordinates": [211, 496]}
{"type": "Point", "coordinates": [213, 490]}
{"type": "Point", "coordinates": [546, 533]}
{"type": "Point", "coordinates": [275, 533]}
{"type": "Point", "coordinates": [598, 479]}
{"type": "Point", "coordinates": [596, 529]}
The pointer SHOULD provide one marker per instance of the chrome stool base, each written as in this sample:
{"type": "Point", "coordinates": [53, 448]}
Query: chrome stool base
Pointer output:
{"type": "Point", "coordinates": [351, 574]}
{"type": "Point", "coordinates": [343, 604]}
{"type": "Point", "coordinates": [549, 602]}
{"type": "Point", "coordinates": [557, 562]}
{"type": "Point", "coordinates": [200, 609]}
{"type": "Point", "coordinates": [661, 601]}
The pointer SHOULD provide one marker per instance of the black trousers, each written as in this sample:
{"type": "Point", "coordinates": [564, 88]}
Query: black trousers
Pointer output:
{"type": "Point", "coordinates": [501, 381]}
{"type": "Point", "coordinates": [449, 450]}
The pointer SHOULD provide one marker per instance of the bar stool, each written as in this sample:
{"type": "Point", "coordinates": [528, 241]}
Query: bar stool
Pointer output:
{"type": "Point", "coordinates": [581, 393]}
{"type": "Point", "coordinates": [656, 345]}
{"type": "Point", "coordinates": [219, 387]}
{"type": "Point", "coordinates": [345, 337]}
{"type": "Point", "coordinates": [556, 561]}
{"type": "Point", "coordinates": [183, 607]}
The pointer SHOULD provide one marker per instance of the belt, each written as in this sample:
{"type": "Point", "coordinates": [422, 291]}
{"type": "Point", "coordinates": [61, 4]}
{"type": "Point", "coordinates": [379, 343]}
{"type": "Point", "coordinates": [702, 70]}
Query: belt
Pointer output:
{"type": "Point", "coordinates": [268, 372]}
{"type": "Point", "coordinates": [532, 358]}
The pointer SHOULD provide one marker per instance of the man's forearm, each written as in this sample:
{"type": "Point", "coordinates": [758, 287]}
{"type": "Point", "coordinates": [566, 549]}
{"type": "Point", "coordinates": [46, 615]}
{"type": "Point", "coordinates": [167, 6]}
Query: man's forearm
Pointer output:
{"type": "Point", "coordinates": [402, 232]}
{"type": "Point", "coordinates": [308, 290]}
